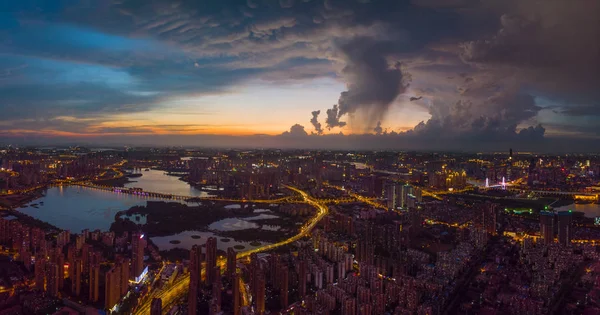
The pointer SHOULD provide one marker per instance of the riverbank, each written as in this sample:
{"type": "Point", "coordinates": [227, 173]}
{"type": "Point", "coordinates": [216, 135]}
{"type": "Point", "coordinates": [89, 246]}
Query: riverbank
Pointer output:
{"type": "Point", "coordinates": [20, 200]}
{"type": "Point", "coordinates": [30, 221]}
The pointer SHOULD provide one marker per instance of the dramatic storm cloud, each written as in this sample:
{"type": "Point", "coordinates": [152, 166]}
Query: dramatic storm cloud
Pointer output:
{"type": "Point", "coordinates": [440, 73]}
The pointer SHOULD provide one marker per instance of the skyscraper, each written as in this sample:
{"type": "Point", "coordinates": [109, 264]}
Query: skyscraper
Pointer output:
{"type": "Point", "coordinates": [260, 293]}
{"type": "Point", "coordinates": [565, 231]}
{"type": "Point", "coordinates": [112, 287]}
{"type": "Point", "coordinates": [138, 243]}
{"type": "Point", "coordinates": [489, 218]}
{"type": "Point", "coordinates": [94, 283]}
{"type": "Point", "coordinates": [390, 192]}
{"type": "Point", "coordinates": [195, 274]}
{"type": "Point", "coordinates": [547, 226]}
{"type": "Point", "coordinates": [52, 279]}
{"type": "Point", "coordinates": [302, 278]}
{"type": "Point", "coordinates": [40, 273]}
{"type": "Point", "coordinates": [231, 262]}
{"type": "Point", "coordinates": [76, 281]}
{"type": "Point", "coordinates": [156, 307]}
{"type": "Point", "coordinates": [211, 259]}
{"type": "Point", "coordinates": [124, 265]}
{"type": "Point", "coordinates": [235, 291]}
{"type": "Point", "coordinates": [284, 284]}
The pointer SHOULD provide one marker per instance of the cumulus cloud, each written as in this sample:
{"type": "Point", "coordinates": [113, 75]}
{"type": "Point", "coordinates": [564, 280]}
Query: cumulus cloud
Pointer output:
{"type": "Point", "coordinates": [333, 118]}
{"type": "Point", "coordinates": [315, 122]}
{"type": "Point", "coordinates": [296, 130]}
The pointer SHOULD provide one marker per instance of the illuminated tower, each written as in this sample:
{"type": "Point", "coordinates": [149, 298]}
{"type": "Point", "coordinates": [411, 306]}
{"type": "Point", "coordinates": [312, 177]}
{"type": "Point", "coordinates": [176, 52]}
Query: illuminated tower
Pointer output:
{"type": "Point", "coordinates": [565, 230]}
{"type": "Point", "coordinates": [211, 259]}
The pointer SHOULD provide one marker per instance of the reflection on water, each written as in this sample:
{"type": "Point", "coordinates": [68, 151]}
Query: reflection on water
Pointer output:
{"type": "Point", "coordinates": [76, 208]}
{"type": "Point", "coordinates": [187, 241]}
{"type": "Point", "coordinates": [158, 181]}
{"type": "Point", "coordinates": [590, 210]}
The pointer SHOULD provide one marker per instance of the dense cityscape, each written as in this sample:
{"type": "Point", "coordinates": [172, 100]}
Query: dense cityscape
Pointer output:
{"type": "Point", "coordinates": [298, 232]}
{"type": "Point", "coordinates": [299, 157]}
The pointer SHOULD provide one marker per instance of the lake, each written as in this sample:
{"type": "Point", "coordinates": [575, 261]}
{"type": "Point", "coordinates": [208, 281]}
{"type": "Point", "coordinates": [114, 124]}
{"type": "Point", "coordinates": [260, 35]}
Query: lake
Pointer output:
{"type": "Point", "coordinates": [76, 208]}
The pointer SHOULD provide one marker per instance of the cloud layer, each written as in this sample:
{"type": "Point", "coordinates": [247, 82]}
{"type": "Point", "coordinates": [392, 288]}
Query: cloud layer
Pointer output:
{"type": "Point", "coordinates": [499, 70]}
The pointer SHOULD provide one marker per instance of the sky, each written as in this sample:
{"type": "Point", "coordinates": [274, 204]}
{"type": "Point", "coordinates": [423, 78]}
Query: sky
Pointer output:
{"type": "Point", "coordinates": [340, 74]}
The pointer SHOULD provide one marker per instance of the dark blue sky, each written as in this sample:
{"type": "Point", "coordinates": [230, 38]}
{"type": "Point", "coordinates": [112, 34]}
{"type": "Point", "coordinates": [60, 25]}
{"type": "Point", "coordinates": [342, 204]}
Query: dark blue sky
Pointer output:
{"type": "Point", "coordinates": [457, 73]}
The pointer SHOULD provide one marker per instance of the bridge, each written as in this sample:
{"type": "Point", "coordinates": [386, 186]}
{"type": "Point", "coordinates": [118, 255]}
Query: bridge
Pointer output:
{"type": "Point", "coordinates": [157, 195]}
{"type": "Point", "coordinates": [574, 194]}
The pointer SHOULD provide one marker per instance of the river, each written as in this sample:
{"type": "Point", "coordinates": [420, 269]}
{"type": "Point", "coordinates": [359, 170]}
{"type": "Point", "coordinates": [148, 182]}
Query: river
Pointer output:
{"type": "Point", "coordinates": [591, 210]}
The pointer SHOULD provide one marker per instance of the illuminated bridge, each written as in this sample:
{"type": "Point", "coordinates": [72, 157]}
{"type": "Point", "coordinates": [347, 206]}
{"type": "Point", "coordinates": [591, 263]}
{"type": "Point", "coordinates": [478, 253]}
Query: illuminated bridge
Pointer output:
{"type": "Point", "coordinates": [157, 195]}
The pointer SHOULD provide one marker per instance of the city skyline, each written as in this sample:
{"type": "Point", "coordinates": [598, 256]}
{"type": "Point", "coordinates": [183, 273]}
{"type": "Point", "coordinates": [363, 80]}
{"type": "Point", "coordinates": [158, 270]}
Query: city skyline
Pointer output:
{"type": "Point", "coordinates": [416, 75]}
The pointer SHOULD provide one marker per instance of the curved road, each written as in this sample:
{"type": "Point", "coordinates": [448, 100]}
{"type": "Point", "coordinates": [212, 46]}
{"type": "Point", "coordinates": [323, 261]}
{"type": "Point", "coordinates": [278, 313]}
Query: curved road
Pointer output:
{"type": "Point", "coordinates": [180, 287]}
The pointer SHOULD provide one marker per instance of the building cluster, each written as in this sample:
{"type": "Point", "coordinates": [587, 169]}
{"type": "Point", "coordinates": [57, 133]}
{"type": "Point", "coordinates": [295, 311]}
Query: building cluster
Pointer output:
{"type": "Point", "coordinates": [92, 266]}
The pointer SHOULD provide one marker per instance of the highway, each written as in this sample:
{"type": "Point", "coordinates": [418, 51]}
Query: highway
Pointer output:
{"type": "Point", "coordinates": [179, 288]}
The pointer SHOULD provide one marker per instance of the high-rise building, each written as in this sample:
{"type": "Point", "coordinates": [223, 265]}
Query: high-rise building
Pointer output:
{"type": "Point", "coordinates": [489, 219]}
{"type": "Point", "coordinates": [283, 287]}
{"type": "Point", "coordinates": [211, 259]}
{"type": "Point", "coordinates": [565, 230]}
{"type": "Point", "coordinates": [231, 262]}
{"type": "Point", "coordinates": [156, 307]}
{"type": "Point", "coordinates": [547, 226]}
{"type": "Point", "coordinates": [302, 278]}
{"type": "Point", "coordinates": [138, 243]}
{"type": "Point", "coordinates": [52, 279]}
{"type": "Point", "coordinates": [124, 265]}
{"type": "Point", "coordinates": [196, 264]}
{"type": "Point", "coordinates": [195, 278]}
{"type": "Point", "coordinates": [94, 283]}
{"type": "Point", "coordinates": [60, 261]}
{"type": "Point", "coordinates": [76, 281]}
{"type": "Point", "coordinates": [390, 193]}
{"type": "Point", "coordinates": [260, 293]}
{"type": "Point", "coordinates": [40, 274]}
{"type": "Point", "coordinates": [112, 287]}
{"type": "Point", "coordinates": [235, 291]}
